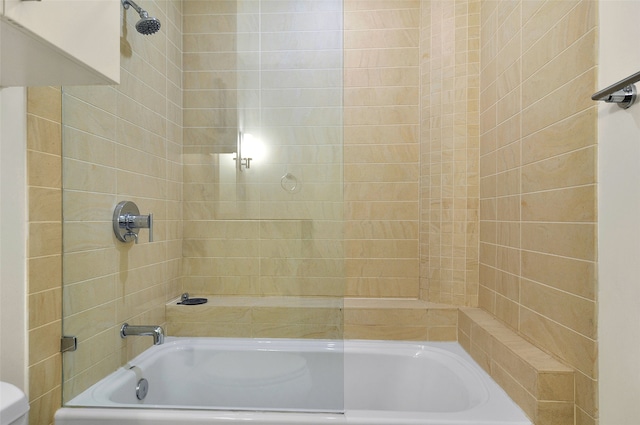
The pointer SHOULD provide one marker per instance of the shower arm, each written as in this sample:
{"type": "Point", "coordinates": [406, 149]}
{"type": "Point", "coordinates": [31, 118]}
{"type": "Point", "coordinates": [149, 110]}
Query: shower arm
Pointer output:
{"type": "Point", "coordinates": [127, 3]}
{"type": "Point", "coordinates": [623, 92]}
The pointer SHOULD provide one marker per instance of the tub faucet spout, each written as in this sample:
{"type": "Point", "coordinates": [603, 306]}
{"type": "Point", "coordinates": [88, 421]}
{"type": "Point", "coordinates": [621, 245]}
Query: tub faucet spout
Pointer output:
{"type": "Point", "coordinates": [155, 331]}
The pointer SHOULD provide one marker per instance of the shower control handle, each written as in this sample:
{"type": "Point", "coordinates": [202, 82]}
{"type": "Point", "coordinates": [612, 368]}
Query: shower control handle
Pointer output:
{"type": "Point", "coordinates": [127, 222]}
{"type": "Point", "coordinates": [140, 222]}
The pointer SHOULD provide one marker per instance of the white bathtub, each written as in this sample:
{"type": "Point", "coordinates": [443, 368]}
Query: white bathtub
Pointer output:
{"type": "Point", "coordinates": [198, 381]}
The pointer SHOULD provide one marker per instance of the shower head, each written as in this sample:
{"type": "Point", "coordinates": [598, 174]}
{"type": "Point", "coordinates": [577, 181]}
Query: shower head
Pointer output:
{"type": "Point", "coordinates": [147, 25]}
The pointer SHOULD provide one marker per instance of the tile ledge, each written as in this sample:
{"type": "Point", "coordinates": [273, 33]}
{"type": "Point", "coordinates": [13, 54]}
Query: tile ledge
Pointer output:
{"type": "Point", "coordinates": [257, 301]}
{"type": "Point", "coordinates": [394, 303]}
{"type": "Point", "coordinates": [540, 360]}
{"type": "Point", "coordinates": [347, 303]}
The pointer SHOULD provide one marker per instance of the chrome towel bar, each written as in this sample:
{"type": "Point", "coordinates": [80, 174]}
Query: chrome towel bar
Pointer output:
{"type": "Point", "coordinates": [623, 92]}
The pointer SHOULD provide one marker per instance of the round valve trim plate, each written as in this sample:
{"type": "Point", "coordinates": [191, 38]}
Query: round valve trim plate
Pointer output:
{"type": "Point", "coordinates": [124, 209]}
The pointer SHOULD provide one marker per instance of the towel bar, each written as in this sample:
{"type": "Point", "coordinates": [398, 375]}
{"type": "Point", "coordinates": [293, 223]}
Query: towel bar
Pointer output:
{"type": "Point", "coordinates": [623, 92]}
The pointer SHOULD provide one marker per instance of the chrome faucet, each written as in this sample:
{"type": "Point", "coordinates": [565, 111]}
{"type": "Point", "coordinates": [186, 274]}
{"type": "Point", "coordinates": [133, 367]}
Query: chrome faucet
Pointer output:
{"type": "Point", "coordinates": [155, 331]}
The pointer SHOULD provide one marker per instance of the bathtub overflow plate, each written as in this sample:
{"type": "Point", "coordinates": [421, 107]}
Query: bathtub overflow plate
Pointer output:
{"type": "Point", "coordinates": [142, 388]}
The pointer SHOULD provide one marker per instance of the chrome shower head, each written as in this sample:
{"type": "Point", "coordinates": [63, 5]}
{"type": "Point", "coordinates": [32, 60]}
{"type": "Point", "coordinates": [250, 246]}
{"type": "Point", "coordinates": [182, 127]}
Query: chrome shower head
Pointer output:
{"type": "Point", "coordinates": [147, 25]}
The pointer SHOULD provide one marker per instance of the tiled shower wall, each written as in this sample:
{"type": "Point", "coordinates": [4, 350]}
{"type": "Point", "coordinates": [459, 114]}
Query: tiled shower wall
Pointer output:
{"type": "Point", "coordinates": [44, 164]}
{"type": "Point", "coordinates": [449, 151]}
{"type": "Point", "coordinates": [385, 82]}
{"type": "Point", "coordinates": [272, 70]}
{"type": "Point", "coordinates": [122, 143]}
{"type": "Point", "coordinates": [382, 152]}
{"type": "Point", "coordinates": [538, 180]}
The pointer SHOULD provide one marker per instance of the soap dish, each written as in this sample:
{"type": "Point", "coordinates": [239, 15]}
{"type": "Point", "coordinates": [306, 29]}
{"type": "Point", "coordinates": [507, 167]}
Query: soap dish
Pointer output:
{"type": "Point", "coordinates": [185, 300]}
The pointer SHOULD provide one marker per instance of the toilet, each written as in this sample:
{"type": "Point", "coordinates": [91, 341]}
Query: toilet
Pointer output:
{"type": "Point", "coordinates": [14, 407]}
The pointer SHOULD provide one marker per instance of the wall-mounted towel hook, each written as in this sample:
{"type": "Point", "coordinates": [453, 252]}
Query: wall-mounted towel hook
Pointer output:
{"type": "Point", "coordinates": [127, 222]}
{"type": "Point", "coordinates": [623, 92]}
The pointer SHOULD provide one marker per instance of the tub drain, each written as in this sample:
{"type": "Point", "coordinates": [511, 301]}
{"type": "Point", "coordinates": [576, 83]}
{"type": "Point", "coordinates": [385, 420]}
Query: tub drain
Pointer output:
{"type": "Point", "coordinates": [142, 388]}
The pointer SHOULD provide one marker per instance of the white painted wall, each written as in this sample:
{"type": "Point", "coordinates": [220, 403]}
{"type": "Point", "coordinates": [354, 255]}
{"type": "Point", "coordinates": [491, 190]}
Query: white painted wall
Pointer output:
{"type": "Point", "coordinates": [13, 237]}
{"type": "Point", "coordinates": [619, 219]}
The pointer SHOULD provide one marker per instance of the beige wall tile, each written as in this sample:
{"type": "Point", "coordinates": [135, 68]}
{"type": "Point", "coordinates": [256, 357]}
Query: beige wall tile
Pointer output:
{"type": "Point", "coordinates": [402, 333]}
{"type": "Point", "coordinates": [44, 239]}
{"type": "Point", "coordinates": [572, 169]}
{"type": "Point", "coordinates": [268, 330]}
{"type": "Point", "coordinates": [573, 312]}
{"type": "Point", "coordinates": [42, 409]}
{"type": "Point", "coordinates": [548, 111]}
{"type": "Point", "coordinates": [567, 274]}
{"type": "Point", "coordinates": [381, 287]}
{"type": "Point", "coordinates": [381, 117]}
{"type": "Point", "coordinates": [562, 137]}
{"type": "Point", "coordinates": [90, 119]}
{"type": "Point", "coordinates": [44, 273]}
{"type": "Point", "coordinates": [45, 245]}
{"type": "Point", "coordinates": [44, 307]}
{"type": "Point", "coordinates": [382, 248]}
{"type": "Point", "coordinates": [575, 60]}
{"type": "Point", "coordinates": [565, 239]}
{"type": "Point", "coordinates": [542, 43]}
{"type": "Point", "coordinates": [45, 204]}
{"type": "Point", "coordinates": [583, 418]}
{"type": "Point", "coordinates": [555, 413]}
{"type": "Point", "coordinates": [45, 102]}
{"type": "Point", "coordinates": [566, 205]}
{"type": "Point", "coordinates": [586, 398]}
{"type": "Point", "coordinates": [45, 170]}
{"type": "Point", "coordinates": [83, 380]}
{"type": "Point", "coordinates": [44, 376]}
{"type": "Point", "coordinates": [577, 349]}
{"type": "Point", "coordinates": [519, 395]}
{"type": "Point", "coordinates": [44, 342]}
{"type": "Point", "coordinates": [450, 149]}
{"type": "Point", "coordinates": [539, 211]}
{"type": "Point", "coordinates": [44, 135]}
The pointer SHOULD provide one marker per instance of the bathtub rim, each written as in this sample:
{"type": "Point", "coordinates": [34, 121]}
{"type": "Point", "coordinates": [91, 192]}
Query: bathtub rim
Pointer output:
{"type": "Point", "coordinates": [448, 353]}
{"type": "Point", "coordinates": [351, 416]}
{"type": "Point", "coordinates": [133, 416]}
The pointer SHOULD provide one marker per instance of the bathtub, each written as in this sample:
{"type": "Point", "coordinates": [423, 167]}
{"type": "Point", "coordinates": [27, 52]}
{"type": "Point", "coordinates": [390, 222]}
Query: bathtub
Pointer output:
{"type": "Point", "coordinates": [222, 381]}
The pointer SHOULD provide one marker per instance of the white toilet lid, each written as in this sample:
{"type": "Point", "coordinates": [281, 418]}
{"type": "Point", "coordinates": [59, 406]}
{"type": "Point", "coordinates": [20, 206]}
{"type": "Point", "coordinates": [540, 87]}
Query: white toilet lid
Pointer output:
{"type": "Point", "coordinates": [13, 403]}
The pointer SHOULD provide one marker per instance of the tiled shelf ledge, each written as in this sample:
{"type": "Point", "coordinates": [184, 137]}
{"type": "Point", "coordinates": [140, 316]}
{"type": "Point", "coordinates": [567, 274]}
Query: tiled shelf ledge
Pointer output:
{"type": "Point", "coordinates": [257, 317]}
{"type": "Point", "coordinates": [399, 319]}
{"type": "Point", "coordinates": [541, 385]}
{"type": "Point", "coordinates": [295, 317]}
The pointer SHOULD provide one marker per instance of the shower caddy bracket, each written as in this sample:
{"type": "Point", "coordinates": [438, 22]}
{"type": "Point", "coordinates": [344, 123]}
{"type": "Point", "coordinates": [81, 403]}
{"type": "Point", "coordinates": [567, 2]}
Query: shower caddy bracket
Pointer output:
{"type": "Point", "coordinates": [623, 92]}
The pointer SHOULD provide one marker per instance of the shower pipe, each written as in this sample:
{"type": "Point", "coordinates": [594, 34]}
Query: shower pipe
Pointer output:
{"type": "Point", "coordinates": [147, 25]}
